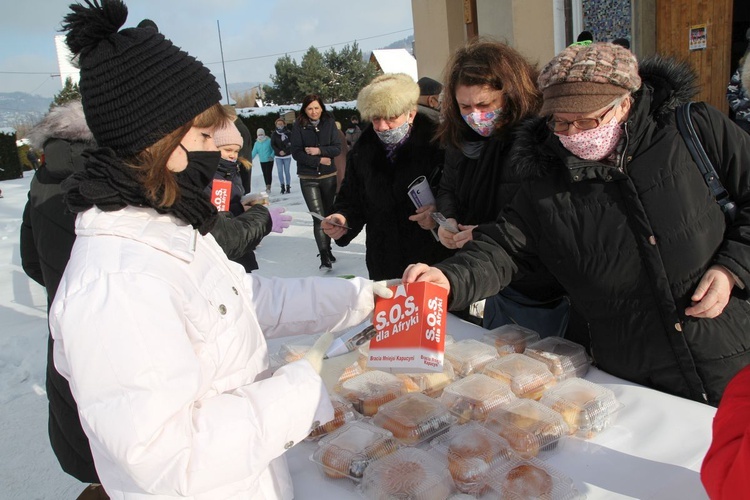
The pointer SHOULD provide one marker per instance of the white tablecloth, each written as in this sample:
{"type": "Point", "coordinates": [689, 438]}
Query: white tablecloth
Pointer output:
{"type": "Point", "coordinates": [653, 451]}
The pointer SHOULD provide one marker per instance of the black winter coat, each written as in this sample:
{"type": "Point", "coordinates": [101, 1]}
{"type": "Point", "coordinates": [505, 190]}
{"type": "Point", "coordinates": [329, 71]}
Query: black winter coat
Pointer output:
{"type": "Point", "coordinates": [474, 191]}
{"type": "Point", "coordinates": [374, 193]}
{"type": "Point", "coordinates": [239, 236]}
{"type": "Point", "coordinates": [47, 235]}
{"type": "Point", "coordinates": [325, 136]}
{"type": "Point", "coordinates": [629, 243]}
{"type": "Point", "coordinates": [280, 144]}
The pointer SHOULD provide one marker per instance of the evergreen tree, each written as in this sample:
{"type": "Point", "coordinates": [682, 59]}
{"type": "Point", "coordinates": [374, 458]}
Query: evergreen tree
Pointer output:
{"type": "Point", "coordinates": [349, 72]}
{"type": "Point", "coordinates": [335, 76]}
{"type": "Point", "coordinates": [69, 92]}
{"type": "Point", "coordinates": [314, 76]}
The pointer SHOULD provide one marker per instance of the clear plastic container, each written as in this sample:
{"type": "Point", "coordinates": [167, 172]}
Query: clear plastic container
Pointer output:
{"type": "Point", "coordinates": [431, 384]}
{"type": "Point", "coordinates": [413, 418]}
{"type": "Point", "coordinates": [342, 413]}
{"type": "Point", "coordinates": [586, 407]}
{"type": "Point", "coordinates": [529, 426]}
{"type": "Point", "coordinates": [371, 389]}
{"type": "Point", "coordinates": [521, 479]}
{"type": "Point", "coordinates": [469, 356]}
{"type": "Point", "coordinates": [409, 473]}
{"type": "Point", "coordinates": [471, 451]}
{"type": "Point", "coordinates": [295, 348]}
{"type": "Point", "coordinates": [527, 377]}
{"type": "Point", "coordinates": [565, 359]}
{"type": "Point", "coordinates": [473, 397]}
{"type": "Point", "coordinates": [346, 452]}
{"type": "Point", "coordinates": [508, 339]}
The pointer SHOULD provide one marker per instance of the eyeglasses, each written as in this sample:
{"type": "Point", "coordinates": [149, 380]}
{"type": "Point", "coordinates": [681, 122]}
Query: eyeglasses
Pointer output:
{"type": "Point", "coordinates": [580, 124]}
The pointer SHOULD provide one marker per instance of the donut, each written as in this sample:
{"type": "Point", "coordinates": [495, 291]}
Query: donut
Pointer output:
{"type": "Point", "coordinates": [527, 481]}
{"type": "Point", "coordinates": [469, 457]}
{"type": "Point", "coordinates": [409, 479]}
{"type": "Point", "coordinates": [413, 419]}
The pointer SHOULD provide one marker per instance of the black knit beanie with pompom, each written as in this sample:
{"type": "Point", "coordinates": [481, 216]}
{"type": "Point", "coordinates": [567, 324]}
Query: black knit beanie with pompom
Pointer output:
{"type": "Point", "coordinates": [136, 86]}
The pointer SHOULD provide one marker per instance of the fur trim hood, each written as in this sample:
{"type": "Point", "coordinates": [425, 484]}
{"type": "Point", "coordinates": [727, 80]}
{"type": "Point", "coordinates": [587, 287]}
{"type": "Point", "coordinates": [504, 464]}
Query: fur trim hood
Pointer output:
{"type": "Point", "coordinates": [667, 83]}
{"type": "Point", "coordinates": [62, 122]}
{"type": "Point", "coordinates": [392, 94]}
{"type": "Point", "coordinates": [745, 74]}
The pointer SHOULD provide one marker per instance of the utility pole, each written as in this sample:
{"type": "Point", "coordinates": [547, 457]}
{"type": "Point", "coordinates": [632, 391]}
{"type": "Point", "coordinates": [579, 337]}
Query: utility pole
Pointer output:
{"type": "Point", "coordinates": [223, 68]}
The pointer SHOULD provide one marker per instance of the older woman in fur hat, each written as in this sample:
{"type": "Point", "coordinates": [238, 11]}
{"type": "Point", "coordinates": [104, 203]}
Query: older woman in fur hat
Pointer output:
{"type": "Point", "coordinates": [393, 150]}
{"type": "Point", "coordinates": [620, 214]}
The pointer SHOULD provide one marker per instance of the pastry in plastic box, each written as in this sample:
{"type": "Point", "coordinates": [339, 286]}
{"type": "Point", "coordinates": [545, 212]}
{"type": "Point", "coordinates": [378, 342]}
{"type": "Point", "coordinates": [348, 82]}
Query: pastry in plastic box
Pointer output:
{"type": "Point", "coordinates": [413, 418]}
{"type": "Point", "coordinates": [469, 356]}
{"type": "Point", "coordinates": [409, 473]}
{"type": "Point", "coordinates": [473, 397]}
{"type": "Point", "coordinates": [471, 451]}
{"type": "Point", "coordinates": [529, 426]}
{"type": "Point", "coordinates": [348, 451]}
{"type": "Point", "coordinates": [565, 359]}
{"type": "Point", "coordinates": [587, 408]}
{"type": "Point", "coordinates": [431, 384]}
{"type": "Point", "coordinates": [528, 378]}
{"type": "Point", "coordinates": [342, 413]}
{"type": "Point", "coordinates": [521, 479]}
{"type": "Point", "coordinates": [508, 339]}
{"type": "Point", "coordinates": [371, 389]}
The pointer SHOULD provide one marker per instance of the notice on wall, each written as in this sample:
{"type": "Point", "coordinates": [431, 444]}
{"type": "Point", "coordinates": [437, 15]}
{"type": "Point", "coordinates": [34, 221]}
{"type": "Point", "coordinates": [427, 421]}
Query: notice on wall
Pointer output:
{"type": "Point", "coordinates": [698, 37]}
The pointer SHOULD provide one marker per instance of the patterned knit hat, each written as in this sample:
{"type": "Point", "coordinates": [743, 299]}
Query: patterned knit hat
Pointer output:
{"type": "Point", "coordinates": [584, 78]}
{"type": "Point", "coordinates": [136, 86]}
{"type": "Point", "coordinates": [228, 135]}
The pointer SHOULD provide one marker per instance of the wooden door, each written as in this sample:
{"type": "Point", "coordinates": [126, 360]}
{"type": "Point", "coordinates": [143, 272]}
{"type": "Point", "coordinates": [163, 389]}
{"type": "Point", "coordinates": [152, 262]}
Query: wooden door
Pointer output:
{"type": "Point", "coordinates": [674, 20]}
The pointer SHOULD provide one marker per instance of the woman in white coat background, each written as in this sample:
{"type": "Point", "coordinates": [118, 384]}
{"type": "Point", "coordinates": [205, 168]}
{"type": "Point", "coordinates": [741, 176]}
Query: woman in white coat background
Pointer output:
{"type": "Point", "coordinates": [160, 336]}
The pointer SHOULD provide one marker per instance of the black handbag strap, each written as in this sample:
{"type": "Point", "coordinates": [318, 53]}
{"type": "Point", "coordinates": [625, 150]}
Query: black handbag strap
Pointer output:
{"type": "Point", "coordinates": [694, 145]}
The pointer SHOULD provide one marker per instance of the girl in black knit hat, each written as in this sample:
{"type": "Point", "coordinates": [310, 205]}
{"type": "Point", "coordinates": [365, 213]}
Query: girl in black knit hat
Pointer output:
{"type": "Point", "coordinates": [159, 335]}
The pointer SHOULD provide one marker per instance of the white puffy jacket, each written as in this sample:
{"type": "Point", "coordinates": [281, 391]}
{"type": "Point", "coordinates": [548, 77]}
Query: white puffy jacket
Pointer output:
{"type": "Point", "coordinates": [162, 340]}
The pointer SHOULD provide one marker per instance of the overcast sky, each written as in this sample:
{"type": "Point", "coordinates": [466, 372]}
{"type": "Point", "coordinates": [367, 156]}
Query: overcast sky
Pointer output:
{"type": "Point", "coordinates": [250, 29]}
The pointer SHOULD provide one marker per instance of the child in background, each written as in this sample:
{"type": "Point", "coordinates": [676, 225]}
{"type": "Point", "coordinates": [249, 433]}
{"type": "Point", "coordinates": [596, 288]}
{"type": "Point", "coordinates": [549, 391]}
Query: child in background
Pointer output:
{"type": "Point", "coordinates": [263, 150]}
{"type": "Point", "coordinates": [229, 142]}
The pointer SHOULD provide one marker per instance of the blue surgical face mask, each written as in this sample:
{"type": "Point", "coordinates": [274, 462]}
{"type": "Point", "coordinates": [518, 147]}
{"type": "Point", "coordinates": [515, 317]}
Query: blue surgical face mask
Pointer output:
{"type": "Point", "coordinates": [394, 135]}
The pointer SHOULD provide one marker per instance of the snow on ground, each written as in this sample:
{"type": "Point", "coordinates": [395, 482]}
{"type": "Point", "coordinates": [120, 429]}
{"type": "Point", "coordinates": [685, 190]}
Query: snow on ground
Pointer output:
{"type": "Point", "coordinates": [28, 468]}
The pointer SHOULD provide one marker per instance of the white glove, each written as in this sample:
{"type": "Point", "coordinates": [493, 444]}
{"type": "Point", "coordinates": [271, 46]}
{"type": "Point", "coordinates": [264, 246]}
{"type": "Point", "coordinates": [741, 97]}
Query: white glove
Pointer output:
{"type": "Point", "coordinates": [380, 288]}
{"type": "Point", "coordinates": [318, 350]}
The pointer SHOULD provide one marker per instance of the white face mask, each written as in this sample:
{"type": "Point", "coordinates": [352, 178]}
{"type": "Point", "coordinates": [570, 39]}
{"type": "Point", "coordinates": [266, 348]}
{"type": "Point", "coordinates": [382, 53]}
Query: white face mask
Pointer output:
{"type": "Point", "coordinates": [595, 144]}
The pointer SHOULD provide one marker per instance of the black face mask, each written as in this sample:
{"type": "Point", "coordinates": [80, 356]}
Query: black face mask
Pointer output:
{"type": "Point", "coordinates": [193, 206]}
{"type": "Point", "coordinates": [110, 184]}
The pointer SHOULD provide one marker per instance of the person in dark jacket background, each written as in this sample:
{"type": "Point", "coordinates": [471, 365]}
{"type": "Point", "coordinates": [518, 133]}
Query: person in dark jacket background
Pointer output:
{"type": "Point", "coordinates": [429, 98]}
{"type": "Point", "coordinates": [738, 90]}
{"type": "Point", "coordinates": [47, 235]}
{"type": "Point", "coordinates": [315, 143]}
{"type": "Point", "coordinates": [282, 147]}
{"type": "Point", "coordinates": [394, 149]}
{"type": "Point", "coordinates": [489, 89]}
{"type": "Point", "coordinates": [621, 215]}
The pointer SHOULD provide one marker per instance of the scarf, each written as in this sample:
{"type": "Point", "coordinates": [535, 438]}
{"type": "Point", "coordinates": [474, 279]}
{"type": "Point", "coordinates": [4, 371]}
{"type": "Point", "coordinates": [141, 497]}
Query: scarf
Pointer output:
{"type": "Point", "coordinates": [109, 184]}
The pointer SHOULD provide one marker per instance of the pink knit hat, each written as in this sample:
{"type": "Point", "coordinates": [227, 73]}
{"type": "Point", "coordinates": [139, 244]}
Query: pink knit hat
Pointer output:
{"type": "Point", "coordinates": [584, 78]}
{"type": "Point", "coordinates": [227, 135]}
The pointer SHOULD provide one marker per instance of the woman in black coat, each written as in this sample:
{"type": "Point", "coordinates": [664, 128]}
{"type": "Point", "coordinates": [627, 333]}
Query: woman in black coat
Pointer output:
{"type": "Point", "coordinates": [315, 143]}
{"type": "Point", "coordinates": [620, 214]}
{"type": "Point", "coordinates": [394, 149]}
{"type": "Point", "coordinates": [47, 235]}
{"type": "Point", "coordinates": [489, 89]}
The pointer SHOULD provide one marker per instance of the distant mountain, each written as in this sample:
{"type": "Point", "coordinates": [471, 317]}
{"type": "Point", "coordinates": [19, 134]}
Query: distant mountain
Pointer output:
{"type": "Point", "coordinates": [22, 108]}
{"type": "Point", "coordinates": [405, 43]}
